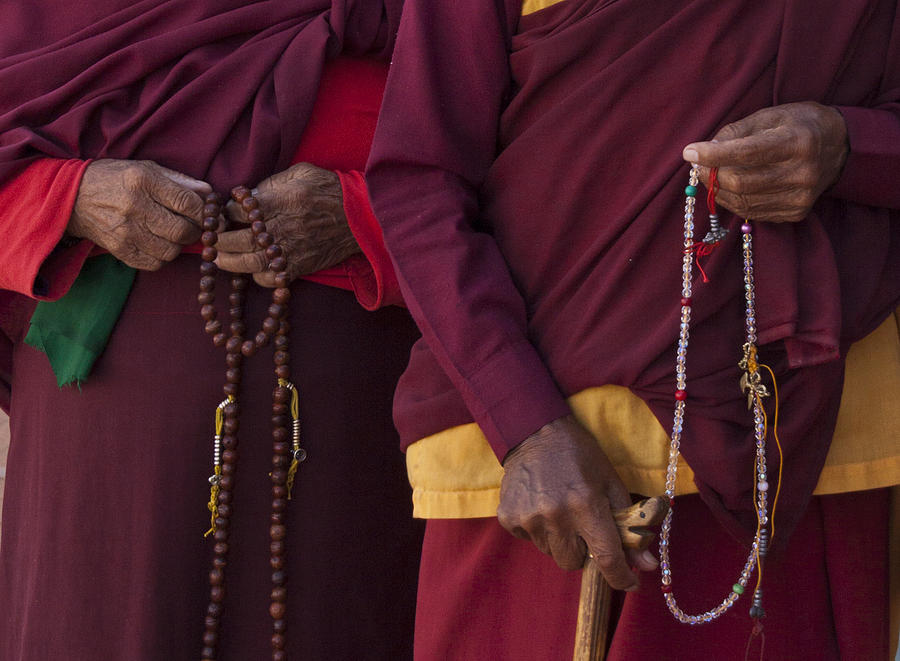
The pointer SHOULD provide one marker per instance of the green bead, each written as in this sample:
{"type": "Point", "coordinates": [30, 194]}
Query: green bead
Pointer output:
{"type": "Point", "coordinates": [690, 191]}
{"type": "Point", "coordinates": [737, 588]}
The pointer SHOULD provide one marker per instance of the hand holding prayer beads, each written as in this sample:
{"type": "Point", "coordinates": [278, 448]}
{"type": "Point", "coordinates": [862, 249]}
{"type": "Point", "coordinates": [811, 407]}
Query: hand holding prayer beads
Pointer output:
{"type": "Point", "coordinates": [774, 164]}
{"type": "Point", "coordinates": [141, 212]}
{"type": "Point", "coordinates": [305, 212]}
{"type": "Point", "coordinates": [287, 453]}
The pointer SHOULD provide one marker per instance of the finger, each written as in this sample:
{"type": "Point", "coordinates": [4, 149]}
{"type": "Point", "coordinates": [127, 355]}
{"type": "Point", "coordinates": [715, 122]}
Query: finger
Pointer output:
{"type": "Point", "coordinates": [760, 149]}
{"type": "Point", "coordinates": [196, 185]}
{"type": "Point", "coordinates": [265, 279]}
{"type": "Point", "coordinates": [235, 213]}
{"type": "Point", "coordinates": [237, 241]}
{"type": "Point", "coordinates": [600, 533]}
{"type": "Point", "coordinates": [782, 207]}
{"type": "Point", "coordinates": [568, 551]}
{"type": "Point", "coordinates": [175, 197]}
{"type": "Point", "coordinates": [154, 247]}
{"type": "Point", "coordinates": [171, 227]}
{"type": "Point", "coordinates": [242, 262]}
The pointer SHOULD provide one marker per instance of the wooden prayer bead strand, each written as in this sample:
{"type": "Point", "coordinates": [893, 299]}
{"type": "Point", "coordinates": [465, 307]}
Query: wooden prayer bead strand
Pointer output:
{"type": "Point", "coordinates": [236, 348]}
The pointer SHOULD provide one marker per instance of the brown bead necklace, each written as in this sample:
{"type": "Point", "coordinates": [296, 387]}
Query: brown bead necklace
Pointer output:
{"type": "Point", "coordinates": [286, 451]}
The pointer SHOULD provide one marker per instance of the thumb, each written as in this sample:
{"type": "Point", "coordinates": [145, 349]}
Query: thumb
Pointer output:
{"type": "Point", "coordinates": [196, 185]}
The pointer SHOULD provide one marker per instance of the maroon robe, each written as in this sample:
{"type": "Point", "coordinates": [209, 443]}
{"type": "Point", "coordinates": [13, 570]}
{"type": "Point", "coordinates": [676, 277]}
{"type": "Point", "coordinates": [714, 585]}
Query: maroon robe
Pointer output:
{"type": "Point", "coordinates": [568, 276]}
{"type": "Point", "coordinates": [102, 553]}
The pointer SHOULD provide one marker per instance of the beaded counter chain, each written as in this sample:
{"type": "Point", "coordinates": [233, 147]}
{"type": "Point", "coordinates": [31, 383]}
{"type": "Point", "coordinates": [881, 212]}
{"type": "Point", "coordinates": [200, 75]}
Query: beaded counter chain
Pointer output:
{"type": "Point", "coordinates": [286, 451]}
{"type": "Point", "coordinates": [755, 391]}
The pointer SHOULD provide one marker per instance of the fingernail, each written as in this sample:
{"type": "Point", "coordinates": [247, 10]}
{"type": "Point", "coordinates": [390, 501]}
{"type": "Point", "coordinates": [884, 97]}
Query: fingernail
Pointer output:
{"type": "Point", "coordinates": [649, 558]}
{"type": "Point", "coordinates": [690, 154]}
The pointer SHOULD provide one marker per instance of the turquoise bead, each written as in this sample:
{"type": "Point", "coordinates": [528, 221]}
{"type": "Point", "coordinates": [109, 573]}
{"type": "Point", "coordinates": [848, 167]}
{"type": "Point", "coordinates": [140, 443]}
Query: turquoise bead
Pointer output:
{"type": "Point", "coordinates": [737, 588]}
{"type": "Point", "coordinates": [690, 191]}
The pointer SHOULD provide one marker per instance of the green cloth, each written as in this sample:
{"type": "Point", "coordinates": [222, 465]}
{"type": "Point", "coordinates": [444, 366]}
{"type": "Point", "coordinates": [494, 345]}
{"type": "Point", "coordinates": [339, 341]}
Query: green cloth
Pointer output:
{"type": "Point", "coordinates": [74, 330]}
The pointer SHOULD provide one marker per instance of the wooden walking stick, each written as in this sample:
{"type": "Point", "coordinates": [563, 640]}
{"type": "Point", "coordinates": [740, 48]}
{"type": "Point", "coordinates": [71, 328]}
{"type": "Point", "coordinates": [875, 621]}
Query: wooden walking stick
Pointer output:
{"type": "Point", "coordinates": [593, 606]}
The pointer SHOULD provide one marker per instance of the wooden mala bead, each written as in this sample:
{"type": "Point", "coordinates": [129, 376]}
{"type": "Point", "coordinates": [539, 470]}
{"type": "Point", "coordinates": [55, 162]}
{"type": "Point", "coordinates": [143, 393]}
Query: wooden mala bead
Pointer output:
{"type": "Point", "coordinates": [286, 450]}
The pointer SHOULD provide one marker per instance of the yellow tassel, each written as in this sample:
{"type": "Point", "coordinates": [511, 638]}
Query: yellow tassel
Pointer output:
{"type": "Point", "coordinates": [295, 415]}
{"type": "Point", "coordinates": [213, 504]}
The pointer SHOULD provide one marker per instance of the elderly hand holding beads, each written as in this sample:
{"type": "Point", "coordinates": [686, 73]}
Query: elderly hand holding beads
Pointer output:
{"type": "Point", "coordinates": [304, 206]}
{"type": "Point", "coordinates": [774, 164]}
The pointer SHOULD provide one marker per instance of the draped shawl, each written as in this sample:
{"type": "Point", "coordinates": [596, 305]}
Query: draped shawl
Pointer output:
{"type": "Point", "coordinates": [219, 90]}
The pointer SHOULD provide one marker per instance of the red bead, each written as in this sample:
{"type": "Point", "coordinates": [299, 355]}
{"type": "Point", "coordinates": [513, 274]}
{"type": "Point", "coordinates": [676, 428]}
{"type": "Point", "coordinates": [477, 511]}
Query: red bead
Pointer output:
{"type": "Point", "coordinates": [239, 282]}
{"type": "Point", "coordinates": [216, 577]}
{"type": "Point", "coordinates": [279, 626]}
{"type": "Point", "coordinates": [681, 395]}
{"type": "Point", "coordinates": [229, 441]}
{"type": "Point", "coordinates": [276, 562]}
{"type": "Point", "coordinates": [209, 254]}
{"type": "Point", "coordinates": [282, 280]}
{"type": "Point", "coordinates": [273, 251]}
{"type": "Point", "coordinates": [254, 215]}
{"type": "Point", "coordinates": [233, 359]}
{"type": "Point", "coordinates": [261, 339]}
{"type": "Point", "coordinates": [279, 594]}
{"type": "Point", "coordinates": [257, 227]}
{"type": "Point", "coordinates": [276, 548]}
{"type": "Point", "coordinates": [213, 326]}
{"type": "Point", "coordinates": [208, 268]}
{"type": "Point", "coordinates": [210, 638]}
{"type": "Point", "coordinates": [208, 312]}
{"type": "Point", "coordinates": [283, 372]}
{"type": "Point", "coordinates": [233, 345]}
{"type": "Point", "coordinates": [206, 298]}
{"type": "Point", "coordinates": [666, 588]}
{"type": "Point", "coordinates": [281, 461]}
{"type": "Point", "coordinates": [279, 577]}
{"type": "Point", "coordinates": [209, 239]}
{"type": "Point", "coordinates": [282, 447]}
{"type": "Point", "coordinates": [279, 491]}
{"type": "Point", "coordinates": [212, 198]}
{"type": "Point", "coordinates": [280, 434]}
{"type": "Point", "coordinates": [264, 240]}
{"type": "Point", "coordinates": [230, 389]}
{"type": "Point", "coordinates": [281, 358]}
{"type": "Point", "coordinates": [219, 339]}
{"type": "Point", "coordinates": [249, 203]}
{"type": "Point", "coordinates": [221, 548]}
{"type": "Point", "coordinates": [278, 408]}
{"type": "Point", "coordinates": [686, 301]}
{"type": "Point", "coordinates": [277, 311]}
{"type": "Point", "coordinates": [248, 348]}
{"type": "Point", "coordinates": [278, 265]}
{"type": "Point", "coordinates": [277, 642]}
{"type": "Point", "coordinates": [279, 655]}
{"type": "Point", "coordinates": [209, 224]}
{"type": "Point", "coordinates": [281, 395]}
{"type": "Point", "coordinates": [236, 299]}
{"type": "Point", "coordinates": [278, 477]}
{"type": "Point", "coordinates": [207, 283]}
{"type": "Point", "coordinates": [238, 327]}
{"type": "Point", "coordinates": [276, 610]}
{"type": "Point", "coordinates": [217, 594]}
{"type": "Point", "coordinates": [230, 456]}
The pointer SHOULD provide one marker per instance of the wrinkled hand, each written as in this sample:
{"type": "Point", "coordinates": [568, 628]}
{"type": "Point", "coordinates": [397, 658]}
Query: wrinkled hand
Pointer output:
{"type": "Point", "coordinates": [558, 491]}
{"type": "Point", "coordinates": [774, 164]}
{"type": "Point", "coordinates": [139, 211]}
{"type": "Point", "coordinates": [304, 212]}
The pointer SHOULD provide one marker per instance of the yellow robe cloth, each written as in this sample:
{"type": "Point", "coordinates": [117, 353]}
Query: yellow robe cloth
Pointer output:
{"type": "Point", "coordinates": [455, 474]}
